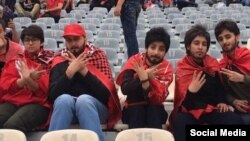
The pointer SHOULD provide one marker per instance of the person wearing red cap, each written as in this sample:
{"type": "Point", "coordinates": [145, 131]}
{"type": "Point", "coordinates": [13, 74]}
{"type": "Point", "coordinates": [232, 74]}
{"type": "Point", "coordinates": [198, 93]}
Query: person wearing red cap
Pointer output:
{"type": "Point", "coordinates": [81, 85]}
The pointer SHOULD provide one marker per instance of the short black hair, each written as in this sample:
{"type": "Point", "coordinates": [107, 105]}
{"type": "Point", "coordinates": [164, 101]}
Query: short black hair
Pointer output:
{"type": "Point", "coordinates": [227, 24]}
{"type": "Point", "coordinates": [193, 32]}
{"type": "Point", "coordinates": [157, 34]}
{"type": "Point", "coordinates": [33, 31]}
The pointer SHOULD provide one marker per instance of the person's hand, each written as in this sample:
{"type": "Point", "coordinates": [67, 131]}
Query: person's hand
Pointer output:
{"type": "Point", "coordinates": [222, 107]}
{"type": "Point", "coordinates": [233, 75]}
{"type": "Point", "coordinates": [152, 71]}
{"type": "Point", "coordinates": [36, 74]}
{"type": "Point", "coordinates": [23, 68]}
{"type": "Point", "coordinates": [11, 25]}
{"type": "Point", "coordinates": [140, 70]}
{"type": "Point", "coordinates": [102, 2]}
{"type": "Point", "coordinates": [197, 82]}
{"type": "Point", "coordinates": [76, 63]}
{"type": "Point", "coordinates": [117, 11]}
{"type": "Point", "coordinates": [241, 105]}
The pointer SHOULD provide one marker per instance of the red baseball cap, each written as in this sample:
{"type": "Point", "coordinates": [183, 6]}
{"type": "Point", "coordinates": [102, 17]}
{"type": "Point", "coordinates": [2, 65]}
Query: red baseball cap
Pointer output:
{"type": "Point", "coordinates": [74, 30]}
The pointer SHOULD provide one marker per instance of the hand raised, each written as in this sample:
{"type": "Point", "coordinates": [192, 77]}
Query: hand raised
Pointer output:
{"type": "Point", "coordinates": [197, 82]}
{"type": "Point", "coordinates": [152, 71]}
{"type": "Point", "coordinates": [36, 74]}
{"type": "Point", "coordinates": [140, 70]}
{"type": "Point", "coordinates": [117, 11]}
{"type": "Point", "coordinates": [233, 75]}
{"type": "Point", "coordinates": [240, 105]}
{"type": "Point", "coordinates": [76, 64]}
{"type": "Point", "coordinates": [23, 68]}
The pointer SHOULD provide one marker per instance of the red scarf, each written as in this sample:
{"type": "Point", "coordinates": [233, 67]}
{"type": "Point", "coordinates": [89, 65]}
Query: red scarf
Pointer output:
{"type": "Point", "coordinates": [184, 74]}
{"type": "Point", "coordinates": [43, 57]}
{"type": "Point", "coordinates": [159, 85]}
{"type": "Point", "coordinates": [99, 66]}
{"type": "Point", "coordinates": [240, 59]}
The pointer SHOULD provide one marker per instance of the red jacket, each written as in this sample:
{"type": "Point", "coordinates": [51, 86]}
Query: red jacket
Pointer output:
{"type": "Point", "coordinates": [159, 85]}
{"type": "Point", "coordinates": [22, 96]}
{"type": "Point", "coordinates": [184, 73]}
{"type": "Point", "coordinates": [240, 59]}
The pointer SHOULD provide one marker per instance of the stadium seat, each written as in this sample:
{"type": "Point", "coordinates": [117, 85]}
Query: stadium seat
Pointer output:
{"type": "Point", "coordinates": [42, 25]}
{"type": "Point", "coordinates": [113, 20]}
{"type": "Point", "coordinates": [248, 43]}
{"type": "Point", "coordinates": [95, 15]}
{"type": "Point", "coordinates": [56, 34]}
{"type": "Point", "coordinates": [24, 21]}
{"type": "Point", "coordinates": [109, 34]}
{"type": "Point", "coordinates": [107, 43]}
{"type": "Point", "coordinates": [12, 135]}
{"type": "Point", "coordinates": [68, 20]}
{"type": "Point", "coordinates": [94, 21]}
{"type": "Point", "coordinates": [175, 53]}
{"type": "Point", "coordinates": [70, 135]}
{"type": "Point", "coordinates": [110, 26]}
{"type": "Point", "coordinates": [47, 20]}
{"type": "Point", "coordinates": [141, 134]}
{"type": "Point", "coordinates": [50, 44]}
{"type": "Point", "coordinates": [90, 27]}
{"type": "Point", "coordinates": [111, 53]}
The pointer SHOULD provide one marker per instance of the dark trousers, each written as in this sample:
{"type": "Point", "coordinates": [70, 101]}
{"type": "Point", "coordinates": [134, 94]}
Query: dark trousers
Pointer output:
{"type": "Point", "coordinates": [55, 17]}
{"type": "Point", "coordinates": [183, 119]}
{"type": "Point", "coordinates": [94, 4]}
{"type": "Point", "coordinates": [145, 116]}
{"type": "Point", "coordinates": [10, 4]}
{"type": "Point", "coordinates": [25, 118]}
{"type": "Point", "coordinates": [129, 16]}
{"type": "Point", "coordinates": [183, 3]}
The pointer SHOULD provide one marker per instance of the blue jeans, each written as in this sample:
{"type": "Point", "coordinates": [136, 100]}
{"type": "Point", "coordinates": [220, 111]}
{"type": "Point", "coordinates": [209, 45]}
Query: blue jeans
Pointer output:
{"type": "Point", "coordinates": [88, 110]}
{"type": "Point", "coordinates": [129, 16]}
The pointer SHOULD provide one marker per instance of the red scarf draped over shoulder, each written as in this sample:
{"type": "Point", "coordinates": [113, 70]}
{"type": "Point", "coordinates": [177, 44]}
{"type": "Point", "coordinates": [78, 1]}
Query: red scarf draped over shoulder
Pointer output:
{"type": "Point", "coordinates": [159, 85]}
{"type": "Point", "coordinates": [22, 96]}
{"type": "Point", "coordinates": [240, 59]}
{"type": "Point", "coordinates": [184, 73]}
{"type": "Point", "coordinates": [98, 65]}
{"type": "Point", "coordinates": [44, 57]}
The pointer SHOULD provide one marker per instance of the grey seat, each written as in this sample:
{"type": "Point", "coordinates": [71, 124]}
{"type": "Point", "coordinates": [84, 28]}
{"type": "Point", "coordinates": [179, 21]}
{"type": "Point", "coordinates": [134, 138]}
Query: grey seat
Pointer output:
{"type": "Point", "coordinates": [109, 34]}
{"type": "Point", "coordinates": [24, 21]}
{"type": "Point", "coordinates": [47, 20]}
{"type": "Point", "coordinates": [50, 44]}
{"type": "Point", "coordinates": [175, 53]}
{"type": "Point", "coordinates": [107, 43]}
{"type": "Point", "coordinates": [68, 20]}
